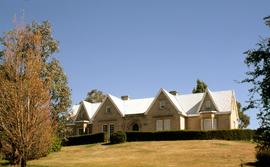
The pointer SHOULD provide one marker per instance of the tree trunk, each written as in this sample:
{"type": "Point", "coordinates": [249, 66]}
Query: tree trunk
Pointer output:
{"type": "Point", "coordinates": [23, 162]}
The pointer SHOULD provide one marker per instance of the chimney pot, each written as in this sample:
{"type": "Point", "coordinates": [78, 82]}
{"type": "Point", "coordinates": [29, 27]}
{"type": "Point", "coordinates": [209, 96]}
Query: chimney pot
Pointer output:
{"type": "Point", "coordinates": [173, 92]}
{"type": "Point", "coordinates": [125, 97]}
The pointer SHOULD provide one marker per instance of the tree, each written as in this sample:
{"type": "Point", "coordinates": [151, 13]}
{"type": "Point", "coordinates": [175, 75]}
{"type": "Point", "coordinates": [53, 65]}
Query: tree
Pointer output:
{"type": "Point", "coordinates": [51, 68]}
{"type": "Point", "coordinates": [258, 62]}
{"type": "Point", "coordinates": [243, 118]}
{"type": "Point", "coordinates": [24, 100]}
{"type": "Point", "coordinates": [200, 87]}
{"type": "Point", "coordinates": [95, 96]}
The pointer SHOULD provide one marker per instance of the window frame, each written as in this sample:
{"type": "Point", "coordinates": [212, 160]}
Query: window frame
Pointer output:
{"type": "Point", "coordinates": [108, 109]}
{"type": "Point", "coordinates": [162, 104]}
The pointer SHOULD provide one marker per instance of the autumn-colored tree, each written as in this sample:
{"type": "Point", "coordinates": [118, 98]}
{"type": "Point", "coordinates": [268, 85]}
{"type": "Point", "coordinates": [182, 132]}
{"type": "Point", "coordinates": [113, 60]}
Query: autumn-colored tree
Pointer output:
{"type": "Point", "coordinates": [25, 98]}
{"type": "Point", "coordinates": [51, 68]}
{"type": "Point", "coordinates": [95, 96]}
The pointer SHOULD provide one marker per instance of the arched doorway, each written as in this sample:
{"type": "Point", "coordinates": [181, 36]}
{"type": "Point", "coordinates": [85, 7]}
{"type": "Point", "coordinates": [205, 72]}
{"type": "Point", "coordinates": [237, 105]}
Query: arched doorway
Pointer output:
{"type": "Point", "coordinates": [135, 127]}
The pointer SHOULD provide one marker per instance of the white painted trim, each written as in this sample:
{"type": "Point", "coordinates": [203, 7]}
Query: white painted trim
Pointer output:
{"type": "Point", "coordinates": [107, 97]}
{"type": "Point", "coordinates": [212, 99]}
{"type": "Point", "coordinates": [82, 105]}
{"type": "Point", "coordinates": [155, 99]}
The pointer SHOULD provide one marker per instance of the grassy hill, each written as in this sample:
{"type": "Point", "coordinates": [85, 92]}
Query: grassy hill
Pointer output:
{"type": "Point", "coordinates": [197, 153]}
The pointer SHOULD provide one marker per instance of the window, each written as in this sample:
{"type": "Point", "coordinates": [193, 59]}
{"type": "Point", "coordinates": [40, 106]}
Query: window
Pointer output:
{"type": "Point", "coordinates": [159, 125]}
{"type": "Point", "coordinates": [135, 127]}
{"type": "Point", "coordinates": [111, 128]}
{"type": "Point", "coordinates": [207, 124]}
{"type": "Point", "coordinates": [80, 131]}
{"type": "Point", "coordinates": [162, 104]}
{"type": "Point", "coordinates": [105, 128]}
{"type": "Point", "coordinates": [207, 104]}
{"type": "Point", "coordinates": [108, 109]}
{"type": "Point", "coordinates": [167, 124]}
{"type": "Point", "coordinates": [215, 124]}
{"type": "Point", "coordinates": [163, 124]}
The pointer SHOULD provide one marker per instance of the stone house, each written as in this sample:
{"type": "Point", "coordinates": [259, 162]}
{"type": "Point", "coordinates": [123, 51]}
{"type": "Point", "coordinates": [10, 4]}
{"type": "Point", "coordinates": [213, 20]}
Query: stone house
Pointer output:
{"type": "Point", "coordinates": [166, 111]}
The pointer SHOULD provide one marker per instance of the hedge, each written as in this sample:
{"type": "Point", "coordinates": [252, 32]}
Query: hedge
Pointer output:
{"type": "Point", "coordinates": [118, 137]}
{"type": "Point", "coordinates": [84, 139]}
{"type": "Point", "coordinates": [191, 135]}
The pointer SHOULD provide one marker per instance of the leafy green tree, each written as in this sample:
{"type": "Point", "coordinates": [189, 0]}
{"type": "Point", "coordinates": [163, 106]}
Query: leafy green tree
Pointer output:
{"type": "Point", "coordinates": [200, 87]}
{"type": "Point", "coordinates": [95, 96]}
{"type": "Point", "coordinates": [244, 119]}
{"type": "Point", "coordinates": [258, 62]}
{"type": "Point", "coordinates": [51, 72]}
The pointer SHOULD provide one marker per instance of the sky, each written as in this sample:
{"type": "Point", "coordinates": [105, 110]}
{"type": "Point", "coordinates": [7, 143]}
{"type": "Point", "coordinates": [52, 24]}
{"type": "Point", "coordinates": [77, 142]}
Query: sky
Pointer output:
{"type": "Point", "coordinates": [134, 48]}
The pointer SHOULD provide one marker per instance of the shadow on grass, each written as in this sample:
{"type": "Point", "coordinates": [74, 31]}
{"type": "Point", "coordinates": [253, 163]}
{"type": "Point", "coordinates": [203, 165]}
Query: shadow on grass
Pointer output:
{"type": "Point", "coordinates": [5, 163]}
{"type": "Point", "coordinates": [254, 164]}
{"type": "Point", "coordinates": [106, 144]}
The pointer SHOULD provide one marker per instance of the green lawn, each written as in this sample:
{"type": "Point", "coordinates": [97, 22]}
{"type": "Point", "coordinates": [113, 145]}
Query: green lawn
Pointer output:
{"type": "Point", "coordinates": [196, 153]}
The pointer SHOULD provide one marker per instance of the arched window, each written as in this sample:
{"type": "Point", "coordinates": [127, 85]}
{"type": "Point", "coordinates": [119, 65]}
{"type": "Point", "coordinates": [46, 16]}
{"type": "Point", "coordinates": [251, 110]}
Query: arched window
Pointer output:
{"type": "Point", "coordinates": [135, 127]}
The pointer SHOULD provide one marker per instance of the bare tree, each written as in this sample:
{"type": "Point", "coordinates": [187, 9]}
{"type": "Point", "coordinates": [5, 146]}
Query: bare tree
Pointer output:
{"type": "Point", "coordinates": [24, 99]}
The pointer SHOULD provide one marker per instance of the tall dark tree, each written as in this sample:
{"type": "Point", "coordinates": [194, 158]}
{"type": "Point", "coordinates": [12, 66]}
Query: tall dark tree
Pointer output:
{"type": "Point", "coordinates": [200, 87]}
{"type": "Point", "coordinates": [258, 62]}
{"type": "Point", "coordinates": [244, 119]}
{"type": "Point", "coordinates": [59, 91]}
{"type": "Point", "coordinates": [95, 96]}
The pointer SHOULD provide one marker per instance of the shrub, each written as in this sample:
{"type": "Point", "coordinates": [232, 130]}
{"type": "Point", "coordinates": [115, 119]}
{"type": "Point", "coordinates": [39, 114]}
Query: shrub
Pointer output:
{"type": "Point", "coordinates": [56, 145]}
{"type": "Point", "coordinates": [85, 139]}
{"type": "Point", "coordinates": [118, 137]}
{"type": "Point", "coordinates": [263, 156]}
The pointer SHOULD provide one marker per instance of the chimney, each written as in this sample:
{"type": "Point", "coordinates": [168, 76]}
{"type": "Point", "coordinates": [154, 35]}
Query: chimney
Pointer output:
{"type": "Point", "coordinates": [126, 97]}
{"type": "Point", "coordinates": [173, 92]}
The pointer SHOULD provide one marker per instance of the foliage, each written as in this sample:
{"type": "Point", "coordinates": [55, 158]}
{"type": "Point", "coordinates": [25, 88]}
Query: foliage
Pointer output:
{"type": "Point", "coordinates": [191, 135]}
{"type": "Point", "coordinates": [95, 96]}
{"type": "Point", "coordinates": [263, 156]}
{"type": "Point", "coordinates": [258, 62]}
{"type": "Point", "coordinates": [56, 144]}
{"type": "Point", "coordinates": [118, 137]}
{"type": "Point", "coordinates": [200, 87]}
{"type": "Point", "coordinates": [51, 72]}
{"type": "Point", "coordinates": [84, 139]}
{"type": "Point", "coordinates": [243, 118]}
{"type": "Point", "coordinates": [24, 100]}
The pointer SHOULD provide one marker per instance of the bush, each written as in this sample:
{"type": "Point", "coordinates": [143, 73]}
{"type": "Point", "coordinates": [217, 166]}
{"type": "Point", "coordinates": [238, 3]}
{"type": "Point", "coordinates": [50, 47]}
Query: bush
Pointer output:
{"type": "Point", "coordinates": [191, 135]}
{"type": "Point", "coordinates": [118, 137]}
{"type": "Point", "coordinates": [263, 156]}
{"type": "Point", "coordinates": [85, 139]}
{"type": "Point", "coordinates": [56, 145]}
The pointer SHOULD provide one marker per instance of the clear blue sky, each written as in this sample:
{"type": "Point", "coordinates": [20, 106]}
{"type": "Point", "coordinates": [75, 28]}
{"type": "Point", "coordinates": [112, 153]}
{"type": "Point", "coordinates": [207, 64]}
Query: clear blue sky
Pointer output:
{"type": "Point", "coordinates": [136, 47]}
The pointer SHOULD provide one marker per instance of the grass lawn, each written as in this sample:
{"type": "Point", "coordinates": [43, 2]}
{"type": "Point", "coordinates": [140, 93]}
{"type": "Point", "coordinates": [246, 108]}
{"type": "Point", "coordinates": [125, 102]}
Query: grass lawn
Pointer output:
{"type": "Point", "coordinates": [195, 153]}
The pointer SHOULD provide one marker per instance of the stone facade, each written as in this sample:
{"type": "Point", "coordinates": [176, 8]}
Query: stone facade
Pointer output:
{"type": "Point", "coordinates": [161, 114]}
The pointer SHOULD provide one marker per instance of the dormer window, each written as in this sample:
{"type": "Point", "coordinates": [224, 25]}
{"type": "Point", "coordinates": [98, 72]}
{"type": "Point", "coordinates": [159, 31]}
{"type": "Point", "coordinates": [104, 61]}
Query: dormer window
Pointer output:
{"type": "Point", "coordinates": [162, 104]}
{"type": "Point", "coordinates": [108, 109]}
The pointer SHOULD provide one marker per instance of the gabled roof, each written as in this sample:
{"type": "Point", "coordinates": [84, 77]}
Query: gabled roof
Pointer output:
{"type": "Point", "coordinates": [74, 110]}
{"type": "Point", "coordinates": [90, 109]}
{"type": "Point", "coordinates": [186, 104]}
{"type": "Point", "coordinates": [132, 106]}
{"type": "Point", "coordinates": [207, 92]}
{"type": "Point", "coordinates": [171, 98]}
